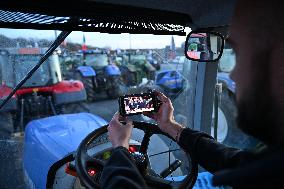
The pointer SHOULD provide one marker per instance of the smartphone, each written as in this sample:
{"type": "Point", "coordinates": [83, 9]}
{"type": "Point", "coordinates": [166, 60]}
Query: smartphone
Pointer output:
{"type": "Point", "coordinates": [138, 103]}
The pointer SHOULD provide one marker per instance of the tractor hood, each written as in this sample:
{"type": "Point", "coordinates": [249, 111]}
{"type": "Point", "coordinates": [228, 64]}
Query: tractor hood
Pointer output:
{"type": "Point", "coordinates": [64, 131]}
{"type": "Point", "coordinates": [49, 139]}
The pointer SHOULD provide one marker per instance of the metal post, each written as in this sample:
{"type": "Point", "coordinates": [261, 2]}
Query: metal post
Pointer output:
{"type": "Point", "coordinates": [217, 98]}
{"type": "Point", "coordinates": [204, 96]}
{"type": "Point", "coordinates": [22, 115]}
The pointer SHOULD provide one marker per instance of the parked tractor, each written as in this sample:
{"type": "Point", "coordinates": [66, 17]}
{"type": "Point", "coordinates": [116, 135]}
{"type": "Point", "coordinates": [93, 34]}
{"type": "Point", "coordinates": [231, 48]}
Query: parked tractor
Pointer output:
{"type": "Point", "coordinates": [44, 94]}
{"type": "Point", "coordinates": [134, 67]}
{"type": "Point", "coordinates": [99, 75]}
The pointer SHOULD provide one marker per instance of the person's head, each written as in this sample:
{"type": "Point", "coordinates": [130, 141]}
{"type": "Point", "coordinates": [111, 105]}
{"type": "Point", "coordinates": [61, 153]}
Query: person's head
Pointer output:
{"type": "Point", "coordinates": [257, 38]}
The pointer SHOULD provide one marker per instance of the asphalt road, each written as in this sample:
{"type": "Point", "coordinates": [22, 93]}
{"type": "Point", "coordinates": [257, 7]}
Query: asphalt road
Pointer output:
{"type": "Point", "coordinates": [104, 108]}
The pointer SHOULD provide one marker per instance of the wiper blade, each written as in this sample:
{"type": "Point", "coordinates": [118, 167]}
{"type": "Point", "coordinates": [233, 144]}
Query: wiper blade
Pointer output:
{"type": "Point", "coordinates": [44, 57]}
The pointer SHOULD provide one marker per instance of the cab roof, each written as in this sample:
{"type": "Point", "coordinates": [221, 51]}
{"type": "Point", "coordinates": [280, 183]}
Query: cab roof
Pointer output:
{"type": "Point", "coordinates": [115, 16]}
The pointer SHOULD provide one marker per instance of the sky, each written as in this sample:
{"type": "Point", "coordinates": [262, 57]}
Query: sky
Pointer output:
{"type": "Point", "coordinates": [115, 41]}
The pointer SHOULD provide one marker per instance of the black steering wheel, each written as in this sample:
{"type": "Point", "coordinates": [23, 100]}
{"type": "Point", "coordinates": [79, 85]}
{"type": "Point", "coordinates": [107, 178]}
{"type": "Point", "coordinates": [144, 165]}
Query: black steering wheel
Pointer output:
{"type": "Point", "coordinates": [83, 160]}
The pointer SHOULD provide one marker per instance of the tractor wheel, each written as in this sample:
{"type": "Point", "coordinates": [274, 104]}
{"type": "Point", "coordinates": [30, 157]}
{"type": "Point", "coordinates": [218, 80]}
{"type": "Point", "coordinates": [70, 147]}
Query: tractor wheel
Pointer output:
{"type": "Point", "coordinates": [131, 79]}
{"type": "Point", "coordinates": [228, 133]}
{"type": "Point", "coordinates": [6, 125]}
{"type": "Point", "coordinates": [88, 84]}
{"type": "Point", "coordinates": [113, 91]}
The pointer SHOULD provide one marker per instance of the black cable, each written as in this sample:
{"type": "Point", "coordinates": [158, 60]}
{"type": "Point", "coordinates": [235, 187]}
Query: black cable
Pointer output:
{"type": "Point", "coordinates": [163, 152]}
{"type": "Point", "coordinates": [53, 46]}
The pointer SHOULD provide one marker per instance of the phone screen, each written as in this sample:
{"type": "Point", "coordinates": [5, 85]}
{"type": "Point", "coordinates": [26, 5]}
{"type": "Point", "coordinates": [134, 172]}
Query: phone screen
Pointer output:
{"type": "Point", "coordinates": [137, 104]}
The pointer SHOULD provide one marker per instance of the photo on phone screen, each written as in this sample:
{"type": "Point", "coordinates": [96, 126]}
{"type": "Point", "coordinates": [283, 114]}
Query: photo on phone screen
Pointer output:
{"type": "Point", "coordinates": [137, 104]}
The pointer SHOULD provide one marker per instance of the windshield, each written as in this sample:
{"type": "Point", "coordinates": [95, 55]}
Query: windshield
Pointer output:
{"type": "Point", "coordinates": [137, 57]}
{"type": "Point", "coordinates": [61, 103]}
{"type": "Point", "coordinates": [23, 63]}
{"type": "Point", "coordinates": [96, 60]}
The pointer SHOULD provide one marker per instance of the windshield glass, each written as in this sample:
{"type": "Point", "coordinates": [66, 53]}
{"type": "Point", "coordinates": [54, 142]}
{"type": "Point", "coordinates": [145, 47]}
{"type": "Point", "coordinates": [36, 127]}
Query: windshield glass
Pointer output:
{"type": "Point", "coordinates": [24, 63]}
{"type": "Point", "coordinates": [137, 57]}
{"type": "Point", "coordinates": [96, 60]}
{"type": "Point", "coordinates": [62, 102]}
{"type": "Point", "coordinates": [59, 88]}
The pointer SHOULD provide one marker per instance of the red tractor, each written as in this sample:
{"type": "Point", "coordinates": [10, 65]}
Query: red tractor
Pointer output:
{"type": "Point", "coordinates": [44, 94]}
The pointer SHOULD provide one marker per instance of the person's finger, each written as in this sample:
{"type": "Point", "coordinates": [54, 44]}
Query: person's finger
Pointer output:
{"type": "Point", "coordinates": [116, 116]}
{"type": "Point", "coordinates": [128, 125]}
{"type": "Point", "coordinates": [165, 100]}
{"type": "Point", "coordinates": [163, 97]}
{"type": "Point", "coordinates": [114, 122]}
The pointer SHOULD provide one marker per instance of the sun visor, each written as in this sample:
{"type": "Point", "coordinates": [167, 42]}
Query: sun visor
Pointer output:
{"type": "Point", "coordinates": [90, 16]}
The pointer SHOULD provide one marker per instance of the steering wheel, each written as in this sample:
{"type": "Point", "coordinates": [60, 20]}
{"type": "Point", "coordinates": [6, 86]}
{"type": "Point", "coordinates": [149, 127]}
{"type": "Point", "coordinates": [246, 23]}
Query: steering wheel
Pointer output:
{"type": "Point", "coordinates": [83, 160]}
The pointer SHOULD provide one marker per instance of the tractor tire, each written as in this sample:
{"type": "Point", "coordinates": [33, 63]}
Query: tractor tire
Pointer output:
{"type": "Point", "coordinates": [88, 83]}
{"type": "Point", "coordinates": [89, 87]}
{"type": "Point", "coordinates": [158, 67]}
{"type": "Point", "coordinates": [6, 125]}
{"type": "Point", "coordinates": [113, 91]}
{"type": "Point", "coordinates": [228, 133]}
{"type": "Point", "coordinates": [131, 79]}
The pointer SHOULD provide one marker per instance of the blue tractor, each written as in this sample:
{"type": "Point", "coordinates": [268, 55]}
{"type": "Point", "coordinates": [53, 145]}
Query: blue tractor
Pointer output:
{"type": "Point", "coordinates": [171, 82]}
{"type": "Point", "coordinates": [57, 140]}
{"type": "Point", "coordinates": [228, 132]}
{"type": "Point", "coordinates": [98, 74]}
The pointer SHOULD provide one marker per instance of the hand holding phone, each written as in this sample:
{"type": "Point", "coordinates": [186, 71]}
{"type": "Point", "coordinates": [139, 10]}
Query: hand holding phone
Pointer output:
{"type": "Point", "coordinates": [138, 103]}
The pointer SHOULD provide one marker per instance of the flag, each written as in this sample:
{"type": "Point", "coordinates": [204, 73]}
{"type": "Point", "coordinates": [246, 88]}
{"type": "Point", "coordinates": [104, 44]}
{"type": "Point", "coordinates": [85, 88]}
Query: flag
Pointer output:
{"type": "Point", "coordinates": [172, 53]}
{"type": "Point", "coordinates": [84, 46]}
{"type": "Point", "coordinates": [173, 45]}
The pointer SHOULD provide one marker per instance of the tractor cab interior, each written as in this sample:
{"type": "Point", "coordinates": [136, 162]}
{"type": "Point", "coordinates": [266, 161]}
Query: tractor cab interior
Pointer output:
{"type": "Point", "coordinates": [53, 128]}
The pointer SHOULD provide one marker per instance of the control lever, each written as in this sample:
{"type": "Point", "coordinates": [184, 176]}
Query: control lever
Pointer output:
{"type": "Point", "coordinates": [173, 166]}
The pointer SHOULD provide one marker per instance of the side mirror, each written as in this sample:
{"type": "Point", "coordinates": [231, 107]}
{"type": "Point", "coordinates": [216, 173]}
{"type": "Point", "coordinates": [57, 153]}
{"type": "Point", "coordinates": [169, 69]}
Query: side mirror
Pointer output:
{"type": "Point", "coordinates": [204, 46]}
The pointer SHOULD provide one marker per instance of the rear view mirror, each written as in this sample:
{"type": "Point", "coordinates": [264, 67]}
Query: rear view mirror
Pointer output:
{"type": "Point", "coordinates": [204, 46]}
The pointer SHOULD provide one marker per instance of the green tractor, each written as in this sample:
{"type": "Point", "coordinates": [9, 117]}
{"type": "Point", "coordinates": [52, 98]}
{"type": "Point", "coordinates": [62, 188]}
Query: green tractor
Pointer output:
{"type": "Point", "coordinates": [135, 67]}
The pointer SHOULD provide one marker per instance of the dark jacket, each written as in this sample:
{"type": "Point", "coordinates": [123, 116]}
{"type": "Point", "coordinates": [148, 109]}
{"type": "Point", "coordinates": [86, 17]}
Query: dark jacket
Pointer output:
{"type": "Point", "coordinates": [230, 166]}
